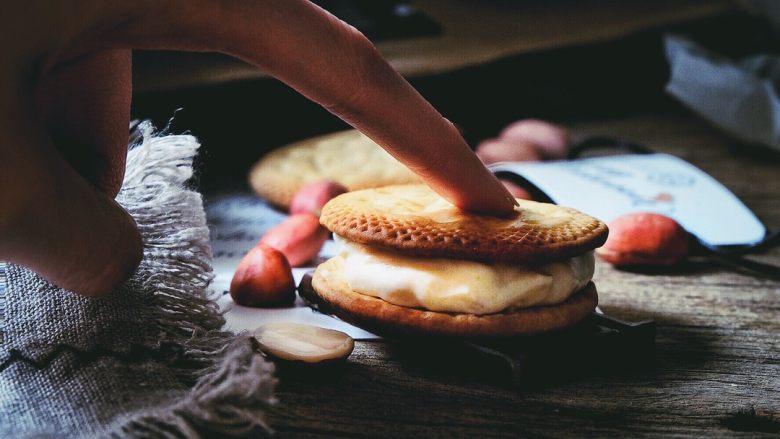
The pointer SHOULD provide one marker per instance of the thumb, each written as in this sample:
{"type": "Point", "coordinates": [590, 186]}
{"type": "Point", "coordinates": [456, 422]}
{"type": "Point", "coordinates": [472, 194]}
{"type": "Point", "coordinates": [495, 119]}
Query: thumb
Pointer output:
{"type": "Point", "coordinates": [51, 219]}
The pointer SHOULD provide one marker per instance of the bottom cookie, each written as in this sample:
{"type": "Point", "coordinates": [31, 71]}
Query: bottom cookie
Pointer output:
{"type": "Point", "coordinates": [384, 318]}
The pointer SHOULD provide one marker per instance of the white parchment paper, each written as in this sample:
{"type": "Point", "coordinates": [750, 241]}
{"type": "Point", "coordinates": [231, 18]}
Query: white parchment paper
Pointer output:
{"type": "Point", "coordinates": [237, 220]}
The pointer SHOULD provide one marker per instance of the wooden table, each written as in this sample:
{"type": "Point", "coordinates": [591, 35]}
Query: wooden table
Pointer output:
{"type": "Point", "coordinates": [715, 371]}
{"type": "Point", "coordinates": [473, 33]}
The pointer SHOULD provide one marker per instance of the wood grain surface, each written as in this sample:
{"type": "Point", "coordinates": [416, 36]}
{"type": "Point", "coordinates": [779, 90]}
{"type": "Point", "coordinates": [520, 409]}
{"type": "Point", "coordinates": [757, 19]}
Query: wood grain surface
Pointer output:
{"type": "Point", "coordinates": [715, 370]}
{"type": "Point", "coordinates": [474, 33]}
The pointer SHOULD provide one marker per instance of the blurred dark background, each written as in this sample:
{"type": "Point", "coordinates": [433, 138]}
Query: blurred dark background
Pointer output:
{"type": "Point", "coordinates": [241, 115]}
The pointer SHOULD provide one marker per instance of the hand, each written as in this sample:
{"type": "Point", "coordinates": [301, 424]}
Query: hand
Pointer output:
{"type": "Point", "coordinates": [66, 87]}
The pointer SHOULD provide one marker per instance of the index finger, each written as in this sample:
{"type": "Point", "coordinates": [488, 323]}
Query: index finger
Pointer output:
{"type": "Point", "coordinates": [334, 65]}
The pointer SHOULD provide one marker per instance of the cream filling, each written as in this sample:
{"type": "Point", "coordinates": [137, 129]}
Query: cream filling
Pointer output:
{"type": "Point", "coordinates": [453, 285]}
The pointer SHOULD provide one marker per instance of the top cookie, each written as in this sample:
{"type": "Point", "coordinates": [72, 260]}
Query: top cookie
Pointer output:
{"type": "Point", "coordinates": [347, 157]}
{"type": "Point", "coordinates": [416, 221]}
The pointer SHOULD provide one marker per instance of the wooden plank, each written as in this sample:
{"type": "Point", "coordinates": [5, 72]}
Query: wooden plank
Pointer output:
{"type": "Point", "coordinates": [474, 33]}
{"type": "Point", "coordinates": [715, 371]}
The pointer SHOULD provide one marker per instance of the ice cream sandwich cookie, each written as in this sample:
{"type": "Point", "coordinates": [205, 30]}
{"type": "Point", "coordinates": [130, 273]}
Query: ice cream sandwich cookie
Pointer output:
{"type": "Point", "coordinates": [412, 263]}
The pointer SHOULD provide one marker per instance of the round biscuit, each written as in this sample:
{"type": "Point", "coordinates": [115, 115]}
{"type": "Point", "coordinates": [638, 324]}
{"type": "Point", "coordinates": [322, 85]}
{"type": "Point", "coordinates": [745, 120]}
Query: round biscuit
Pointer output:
{"type": "Point", "coordinates": [347, 157]}
{"type": "Point", "coordinates": [382, 317]}
{"type": "Point", "coordinates": [414, 220]}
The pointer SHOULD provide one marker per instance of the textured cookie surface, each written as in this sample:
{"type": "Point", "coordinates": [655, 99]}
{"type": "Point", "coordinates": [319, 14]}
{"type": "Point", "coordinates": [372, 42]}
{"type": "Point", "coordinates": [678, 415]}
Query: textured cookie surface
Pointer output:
{"type": "Point", "coordinates": [385, 318]}
{"type": "Point", "coordinates": [347, 157]}
{"type": "Point", "coordinates": [414, 220]}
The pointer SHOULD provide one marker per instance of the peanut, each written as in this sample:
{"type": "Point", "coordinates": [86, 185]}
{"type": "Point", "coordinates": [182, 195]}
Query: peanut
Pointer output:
{"type": "Point", "coordinates": [304, 343]}
{"type": "Point", "coordinates": [517, 191]}
{"type": "Point", "coordinates": [312, 196]}
{"type": "Point", "coordinates": [300, 237]}
{"type": "Point", "coordinates": [506, 150]}
{"type": "Point", "coordinates": [549, 140]}
{"type": "Point", "coordinates": [644, 238]}
{"type": "Point", "coordinates": [263, 278]}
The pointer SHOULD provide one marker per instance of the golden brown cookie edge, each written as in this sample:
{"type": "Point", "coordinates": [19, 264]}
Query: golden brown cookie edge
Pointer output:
{"type": "Point", "coordinates": [433, 239]}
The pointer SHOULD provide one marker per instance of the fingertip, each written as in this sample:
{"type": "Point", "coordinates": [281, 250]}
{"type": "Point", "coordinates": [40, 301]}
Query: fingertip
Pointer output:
{"type": "Point", "coordinates": [71, 234]}
{"type": "Point", "coordinates": [108, 278]}
{"type": "Point", "coordinates": [490, 198]}
{"type": "Point", "coordinates": [501, 206]}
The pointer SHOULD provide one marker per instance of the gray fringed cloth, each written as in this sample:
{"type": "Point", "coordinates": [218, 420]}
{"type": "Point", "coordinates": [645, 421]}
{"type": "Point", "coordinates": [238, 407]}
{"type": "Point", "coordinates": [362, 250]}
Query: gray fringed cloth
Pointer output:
{"type": "Point", "coordinates": [150, 360]}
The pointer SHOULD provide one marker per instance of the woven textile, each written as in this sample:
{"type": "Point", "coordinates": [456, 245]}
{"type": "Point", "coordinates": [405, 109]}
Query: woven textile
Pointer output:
{"type": "Point", "coordinates": [149, 360]}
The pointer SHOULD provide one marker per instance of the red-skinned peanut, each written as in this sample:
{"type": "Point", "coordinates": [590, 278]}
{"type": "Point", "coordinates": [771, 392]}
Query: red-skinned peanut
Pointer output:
{"type": "Point", "coordinates": [312, 196]}
{"type": "Point", "coordinates": [516, 190]}
{"type": "Point", "coordinates": [644, 238]}
{"type": "Point", "coordinates": [300, 237]}
{"type": "Point", "coordinates": [501, 150]}
{"type": "Point", "coordinates": [263, 278]}
{"type": "Point", "coordinates": [550, 141]}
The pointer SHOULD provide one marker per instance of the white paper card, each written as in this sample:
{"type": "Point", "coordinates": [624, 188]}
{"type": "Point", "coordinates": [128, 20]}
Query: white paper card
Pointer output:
{"type": "Point", "coordinates": [237, 221]}
{"type": "Point", "coordinates": [608, 187]}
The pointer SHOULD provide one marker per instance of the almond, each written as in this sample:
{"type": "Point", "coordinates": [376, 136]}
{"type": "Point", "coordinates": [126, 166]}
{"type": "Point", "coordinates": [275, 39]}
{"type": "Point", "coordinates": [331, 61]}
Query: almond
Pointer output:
{"type": "Point", "coordinates": [263, 278]}
{"type": "Point", "coordinates": [516, 190]}
{"type": "Point", "coordinates": [510, 150]}
{"type": "Point", "coordinates": [312, 196]}
{"type": "Point", "coordinates": [304, 343]}
{"type": "Point", "coordinates": [549, 140]}
{"type": "Point", "coordinates": [300, 237]}
{"type": "Point", "coordinates": [644, 239]}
